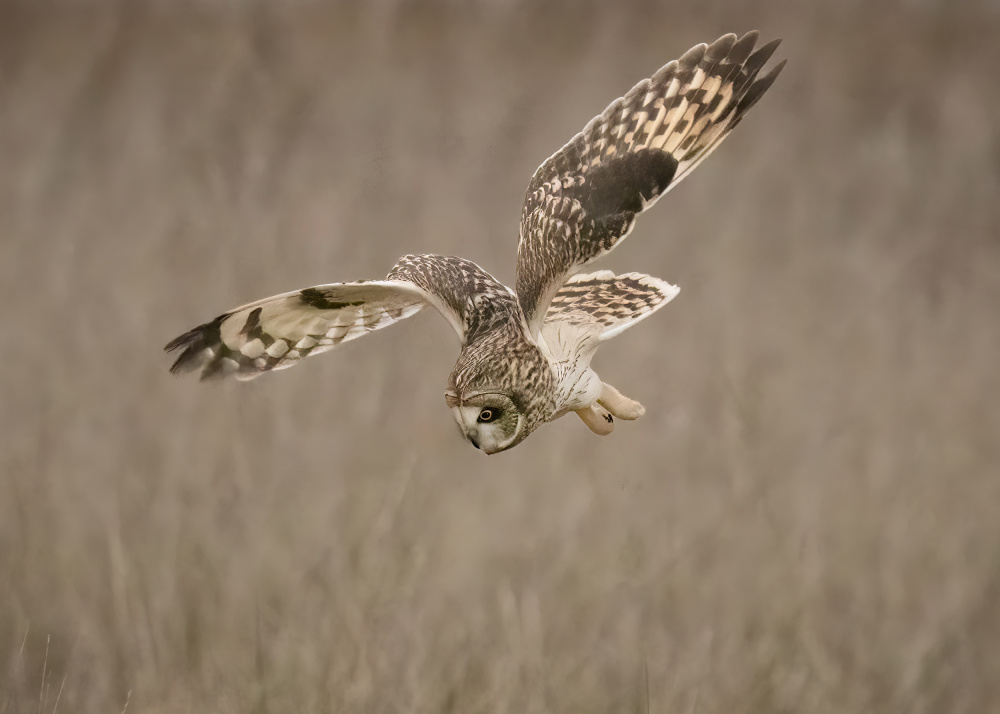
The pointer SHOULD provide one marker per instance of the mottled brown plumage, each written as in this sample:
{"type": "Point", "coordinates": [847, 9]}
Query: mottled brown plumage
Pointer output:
{"type": "Point", "coordinates": [525, 356]}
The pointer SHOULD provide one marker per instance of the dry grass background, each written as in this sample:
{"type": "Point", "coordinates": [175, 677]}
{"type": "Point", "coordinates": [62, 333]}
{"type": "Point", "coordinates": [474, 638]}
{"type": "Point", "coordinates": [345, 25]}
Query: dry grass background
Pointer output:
{"type": "Point", "coordinates": [807, 519]}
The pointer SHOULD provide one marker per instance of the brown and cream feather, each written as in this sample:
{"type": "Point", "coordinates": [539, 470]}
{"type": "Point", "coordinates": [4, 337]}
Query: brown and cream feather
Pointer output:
{"type": "Point", "coordinates": [529, 351]}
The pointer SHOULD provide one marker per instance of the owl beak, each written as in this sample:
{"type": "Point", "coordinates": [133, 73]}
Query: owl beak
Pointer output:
{"type": "Point", "coordinates": [466, 419]}
{"type": "Point", "coordinates": [488, 450]}
{"type": "Point", "coordinates": [472, 434]}
{"type": "Point", "coordinates": [468, 428]}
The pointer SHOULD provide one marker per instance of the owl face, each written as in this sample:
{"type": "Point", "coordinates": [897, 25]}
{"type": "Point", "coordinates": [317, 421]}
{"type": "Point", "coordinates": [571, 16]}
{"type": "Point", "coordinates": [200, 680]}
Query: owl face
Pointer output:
{"type": "Point", "coordinates": [525, 356]}
{"type": "Point", "coordinates": [490, 421]}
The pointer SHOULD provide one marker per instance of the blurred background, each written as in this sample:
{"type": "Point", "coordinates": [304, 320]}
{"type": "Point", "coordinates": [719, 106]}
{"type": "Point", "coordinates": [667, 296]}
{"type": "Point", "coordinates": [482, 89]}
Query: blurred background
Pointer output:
{"type": "Point", "coordinates": [807, 519]}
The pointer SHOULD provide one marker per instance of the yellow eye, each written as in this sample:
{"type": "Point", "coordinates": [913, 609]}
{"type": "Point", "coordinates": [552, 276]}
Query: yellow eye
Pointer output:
{"type": "Point", "coordinates": [487, 415]}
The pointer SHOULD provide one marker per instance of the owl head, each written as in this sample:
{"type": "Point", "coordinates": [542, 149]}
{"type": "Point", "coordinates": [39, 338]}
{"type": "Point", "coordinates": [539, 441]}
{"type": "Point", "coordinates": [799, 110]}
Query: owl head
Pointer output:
{"type": "Point", "coordinates": [499, 392]}
{"type": "Point", "coordinates": [491, 421]}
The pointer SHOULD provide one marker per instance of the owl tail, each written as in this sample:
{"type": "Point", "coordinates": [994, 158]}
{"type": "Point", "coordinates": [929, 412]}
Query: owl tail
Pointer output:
{"type": "Point", "coordinates": [609, 303]}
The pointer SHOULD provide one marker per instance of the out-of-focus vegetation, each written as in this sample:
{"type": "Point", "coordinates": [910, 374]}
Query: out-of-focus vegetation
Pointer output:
{"type": "Point", "coordinates": [806, 520]}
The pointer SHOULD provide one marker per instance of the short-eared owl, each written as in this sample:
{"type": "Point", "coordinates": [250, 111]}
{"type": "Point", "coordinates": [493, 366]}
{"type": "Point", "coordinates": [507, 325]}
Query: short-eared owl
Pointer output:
{"type": "Point", "coordinates": [525, 355]}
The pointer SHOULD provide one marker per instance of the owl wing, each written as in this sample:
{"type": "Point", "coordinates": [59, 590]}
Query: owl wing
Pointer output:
{"type": "Point", "coordinates": [594, 307]}
{"type": "Point", "coordinates": [279, 331]}
{"type": "Point", "coordinates": [608, 304]}
{"type": "Point", "coordinates": [584, 199]}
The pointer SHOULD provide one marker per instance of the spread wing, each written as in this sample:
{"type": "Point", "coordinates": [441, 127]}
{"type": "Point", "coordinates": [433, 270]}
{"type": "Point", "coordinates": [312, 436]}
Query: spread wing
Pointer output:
{"type": "Point", "coordinates": [584, 199]}
{"type": "Point", "coordinates": [592, 308]}
{"type": "Point", "coordinates": [277, 332]}
{"type": "Point", "coordinates": [609, 304]}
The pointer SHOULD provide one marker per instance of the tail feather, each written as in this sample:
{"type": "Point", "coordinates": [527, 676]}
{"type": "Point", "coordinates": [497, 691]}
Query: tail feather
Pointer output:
{"type": "Point", "coordinates": [609, 303]}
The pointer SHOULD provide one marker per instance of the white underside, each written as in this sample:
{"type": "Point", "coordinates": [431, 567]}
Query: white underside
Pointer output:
{"type": "Point", "coordinates": [570, 348]}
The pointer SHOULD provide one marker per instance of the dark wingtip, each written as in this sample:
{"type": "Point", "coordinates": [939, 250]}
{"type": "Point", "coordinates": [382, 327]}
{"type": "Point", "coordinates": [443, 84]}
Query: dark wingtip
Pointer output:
{"type": "Point", "coordinates": [742, 48]}
{"type": "Point", "coordinates": [179, 341]}
{"type": "Point", "coordinates": [770, 47]}
{"type": "Point", "coordinates": [760, 57]}
{"type": "Point", "coordinates": [771, 75]}
{"type": "Point", "coordinates": [194, 343]}
{"type": "Point", "coordinates": [721, 47]}
{"type": "Point", "coordinates": [693, 56]}
{"type": "Point", "coordinates": [758, 87]}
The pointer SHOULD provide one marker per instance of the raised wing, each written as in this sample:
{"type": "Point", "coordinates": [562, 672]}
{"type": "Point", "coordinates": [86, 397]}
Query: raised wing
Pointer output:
{"type": "Point", "coordinates": [584, 199]}
{"type": "Point", "coordinates": [277, 332]}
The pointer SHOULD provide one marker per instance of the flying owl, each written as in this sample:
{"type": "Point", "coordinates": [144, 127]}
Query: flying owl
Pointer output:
{"type": "Point", "coordinates": [525, 353]}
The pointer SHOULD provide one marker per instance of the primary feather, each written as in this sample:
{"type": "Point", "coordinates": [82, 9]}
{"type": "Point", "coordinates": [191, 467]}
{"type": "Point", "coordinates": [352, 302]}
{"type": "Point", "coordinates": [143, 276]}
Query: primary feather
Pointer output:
{"type": "Point", "coordinates": [584, 199]}
{"type": "Point", "coordinates": [525, 356]}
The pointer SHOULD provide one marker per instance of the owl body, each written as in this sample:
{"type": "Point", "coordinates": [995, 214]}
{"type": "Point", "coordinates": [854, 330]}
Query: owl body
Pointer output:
{"type": "Point", "coordinates": [525, 355]}
{"type": "Point", "coordinates": [540, 377]}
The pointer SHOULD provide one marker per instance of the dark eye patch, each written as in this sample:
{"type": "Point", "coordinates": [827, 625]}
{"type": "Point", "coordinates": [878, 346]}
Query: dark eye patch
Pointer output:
{"type": "Point", "coordinates": [488, 415]}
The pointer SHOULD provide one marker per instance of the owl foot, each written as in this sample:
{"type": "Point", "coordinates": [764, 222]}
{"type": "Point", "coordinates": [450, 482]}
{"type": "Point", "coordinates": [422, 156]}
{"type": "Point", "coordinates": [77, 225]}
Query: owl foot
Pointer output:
{"type": "Point", "coordinates": [597, 419]}
{"type": "Point", "coordinates": [618, 404]}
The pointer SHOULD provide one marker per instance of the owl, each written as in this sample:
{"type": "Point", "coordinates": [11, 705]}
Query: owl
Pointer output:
{"type": "Point", "coordinates": [525, 353]}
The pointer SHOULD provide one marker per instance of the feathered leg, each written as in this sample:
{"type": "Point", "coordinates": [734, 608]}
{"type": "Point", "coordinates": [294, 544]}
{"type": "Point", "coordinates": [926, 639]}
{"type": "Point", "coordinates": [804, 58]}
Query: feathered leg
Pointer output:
{"type": "Point", "coordinates": [618, 404]}
{"type": "Point", "coordinates": [597, 419]}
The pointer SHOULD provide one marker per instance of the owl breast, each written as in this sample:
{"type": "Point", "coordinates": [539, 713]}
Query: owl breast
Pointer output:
{"type": "Point", "coordinates": [576, 388]}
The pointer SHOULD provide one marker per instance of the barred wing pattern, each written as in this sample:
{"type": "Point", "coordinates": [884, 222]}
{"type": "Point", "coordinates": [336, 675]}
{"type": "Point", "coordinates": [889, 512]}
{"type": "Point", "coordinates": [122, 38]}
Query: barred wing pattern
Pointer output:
{"type": "Point", "coordinates": [526, 355]}
{"type": "Point", "coordinates": [474, 301]}
{"type": "Point", "coordinates": [607, 302]}
{"type": "Point", "coordinates": [276, 332]}
{"type": "Point", "coordinates": [584, 199]}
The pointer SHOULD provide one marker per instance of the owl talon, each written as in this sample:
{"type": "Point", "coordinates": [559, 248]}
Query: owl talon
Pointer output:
{"type": "Point", "coordinates": [525, 353]}
{"type": "Point", "coordinates": [618, 404]}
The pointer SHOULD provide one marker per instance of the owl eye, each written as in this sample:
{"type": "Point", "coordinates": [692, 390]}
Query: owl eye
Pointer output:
{"type": "Point", "coordinates": [488, 415]}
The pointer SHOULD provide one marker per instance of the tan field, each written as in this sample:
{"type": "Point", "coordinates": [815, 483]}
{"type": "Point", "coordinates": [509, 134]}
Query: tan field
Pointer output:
{"type": "Point", "coordinates": [807, 519]}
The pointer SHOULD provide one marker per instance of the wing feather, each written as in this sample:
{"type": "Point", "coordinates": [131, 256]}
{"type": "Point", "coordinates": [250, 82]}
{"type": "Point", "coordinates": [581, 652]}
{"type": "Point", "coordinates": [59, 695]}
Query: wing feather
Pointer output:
{"type": "Point", "coordinates": [609, 303]}
{"type": "Point", "coordinates": [279, 331]}
{"type": "Point", "coordinates": [584, 199]}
